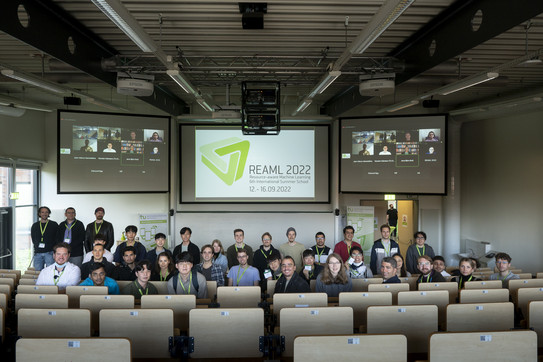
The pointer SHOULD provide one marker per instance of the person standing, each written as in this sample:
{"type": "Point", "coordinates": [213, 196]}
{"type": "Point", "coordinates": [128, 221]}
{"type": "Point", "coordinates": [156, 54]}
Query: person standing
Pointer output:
{"type": "Point", "coordinates": [99, 226]}
{"type": "Point", "coordinates": [72, 232]}
{"type": "Point", "coordinates": [416, 250]}
{"type": "Point", "coordinates": [232, 251]}
{"type": "Point", "coordinates": [43, 234]}
{"type": "Point", "coordinates": [260, 258]}
{"type": "Point", "coordinates": [187, 245]}
{"type": "Point", "coordinates": [293, 248]}
{"type": "Point", "coordinates": [381, 248]}
{"type": "Point", "coordinates": [320, 249]}
{"type": "Point", "coordinates": [392, 219]}
{"type": "Point", "coordinates": [343, 248]}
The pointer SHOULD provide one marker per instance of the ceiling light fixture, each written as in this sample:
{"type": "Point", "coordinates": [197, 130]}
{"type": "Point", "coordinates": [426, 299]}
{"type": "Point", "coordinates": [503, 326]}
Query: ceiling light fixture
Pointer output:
{"type": "Point", "coordinates": [302, 107]}
{"type": "Point", "coordinates": [33, 80]}
{"type": "Point", "coordinates": [120, 15]}
{"type": "Point", "coordinates": [11, 111]}
{"type": "Point", "coordinates": [10, 101]}
{"type": "Point", "coordinates": [325, 83]}
{"type": "Point", "coordinates": [204, 104]}
{"type": "Point", "coordinates": [398, 106]}
{"type": "Point", "coordinates": [181, 81]}
{"type": "Point", "coordinates": [465, 83]}
{"type": "Point", "coordinates": [387, 14]}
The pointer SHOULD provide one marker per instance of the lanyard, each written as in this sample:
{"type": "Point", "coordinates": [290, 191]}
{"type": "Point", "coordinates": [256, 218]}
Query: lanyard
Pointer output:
{"type": "Point", "coordinates": [278, 276]}
{"type": "Point", "coordinates": [263, 253]}
{"type": "Point", "coordinates": [460, 281]}
{"type": "Point", "coordinates": [423, 250]}
{"type": "Point", "coordinates": [428, 278]}
{"type": "Point", "coordinates": [238, 277]}
{"type": "Point", "coordinates": [319, 254]}
{"type": "Point", "coordinates": [181, 282]}
{"type": "Point", "coordinates": [70, 228]}
{"type": "Point", "coordinates": [96, 231]}
{"type": "Point", "coordinates": [387, 251]}
{"type": "Point", "coordinates": [57, 279]}
{"type": "Point", "coordinates": [139, 290]}
{"type": "Point", "coordinates": [349, 248]}
{"type": "Point", "coordinates": [163, 279]}
{"type": "Point", "coordinates": [235, 247]}
{"type": "Point", "coordinates": [505, 277]}
{"type": "Point", "coordinates": [43, 230]}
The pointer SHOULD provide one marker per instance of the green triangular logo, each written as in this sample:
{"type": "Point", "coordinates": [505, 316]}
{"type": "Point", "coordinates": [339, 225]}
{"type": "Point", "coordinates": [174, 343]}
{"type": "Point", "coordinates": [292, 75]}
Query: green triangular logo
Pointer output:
{"type": "Point", "coordinates": [227, 169]}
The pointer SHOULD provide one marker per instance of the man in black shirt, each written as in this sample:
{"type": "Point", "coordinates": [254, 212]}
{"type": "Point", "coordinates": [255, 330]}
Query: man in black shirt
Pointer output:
{"type": "Point", "coordinates": [126, 271]}
{"type": "Point", "coordinates": [392, 219]}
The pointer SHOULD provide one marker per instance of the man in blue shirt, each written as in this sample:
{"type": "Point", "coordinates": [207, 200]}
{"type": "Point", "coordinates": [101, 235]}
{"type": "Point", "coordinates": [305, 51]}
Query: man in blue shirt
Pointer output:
{"type": "Point", "coordinates": [243, 274]}
{"type": "Point", "coordinates": [97, 277]}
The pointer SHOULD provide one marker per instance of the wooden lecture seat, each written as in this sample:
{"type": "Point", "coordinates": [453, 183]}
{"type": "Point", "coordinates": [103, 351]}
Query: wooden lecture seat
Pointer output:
{"type": "Point", "coordinates": [52, 322]}
{"type": "Point", "coordinates": [480, 317]}
{"type": "Point", "coordinates": [518, 345]}
{"type": "Point", "coordinates": [12, 271]}
{"type": "Point", "coordinates": [30, 276]}
{"type": "Point", "coordinates": [72, 349]}
{"type": "Point", "coordinates": [527, 295]}
{"type": "Point", "coordinates": [360, 301]}
{"type": "Point", "coordinates": [484, 284]}
{"type": "Point", "coordinates": [37, 289]}
{"type": "Point", "coordinates": [24, 281]}
{"type": "Point", "coordinates": [484, 295]}
{"type": "Point", "coordinates": [270, 287]}
{"type": "Point", "coordinates": [535, 319]}
{"type": "Point", "coordinates": [2, 324]}
{"type": "Point", "coordinates": [440, 298]}
{"type": "Point", "coordinates": [516, 284]}
{"type": "Point", "coordinates": [238, 297]}
{"type": "Point", "coordinates": [147, 329]}
{"type": "Point", "coordinates": [217, 332]}
{"type": "Point", "coordinates": [95, 303]}
{"type": "Point", "coordinates": [313, 321]}
{"type": "Point", "coordinates": [298, 300]}
{"type": "Point", "coordinates": [6, 289]}
{"type": "Point", "coordinates": [539, 275]}
{"type": "Point", "coordinates": [8, 281]}
{"type": "Point", "coordinates": [181, 305]}
{"type": "Point", "coordinates": [412, 281]}
{"type": "Point", "coordinates": [55, 301]}
{"type": "Point", "coordinates": [360, 348]}
{"type": "Point", "coordinates": [4, 301]}
{"type": "Point", "coordinates": [393, 288]}
{"type": "Point", "coordinates": [416, 322]}
{"type": "Point", "coordinates": [452, 287]}
{"type": "Point", "coordinates": [162, 287]}
{"type": "Point", "coordinates": [525, 275]}
{"type": "Point", "coordinates": [123, 283]}
{"type": "Point", "coordinates": [74, 292]}
{"type": "Point", "coordinates": [212, 290]}
{"type": "Point", "coordinates": [361, 285]}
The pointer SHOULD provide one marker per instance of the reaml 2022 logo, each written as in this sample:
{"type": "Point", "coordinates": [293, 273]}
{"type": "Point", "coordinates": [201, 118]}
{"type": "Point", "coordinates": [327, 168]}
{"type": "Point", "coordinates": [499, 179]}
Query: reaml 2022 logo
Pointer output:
{"type": "Point", "coordinates": [226, 158]}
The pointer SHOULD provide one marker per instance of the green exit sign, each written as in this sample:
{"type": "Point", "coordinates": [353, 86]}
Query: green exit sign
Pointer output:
{"type": "Point", "coordinates": [390, 197]}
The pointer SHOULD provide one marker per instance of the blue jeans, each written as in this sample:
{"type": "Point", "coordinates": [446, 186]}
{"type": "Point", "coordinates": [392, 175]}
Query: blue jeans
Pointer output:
{"type": "Point", "coordinates": [43, 258]}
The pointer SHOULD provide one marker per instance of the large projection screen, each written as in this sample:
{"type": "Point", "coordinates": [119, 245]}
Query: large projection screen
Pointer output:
{"type": "Point", "coordinates": [405, 154]}
{"type": "Point", "coordinates": [221, 165]}
{"type": "Point", "coordinates": [112, 153]}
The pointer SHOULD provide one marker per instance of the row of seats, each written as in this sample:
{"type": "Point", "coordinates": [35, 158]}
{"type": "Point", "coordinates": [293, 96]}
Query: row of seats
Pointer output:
{"type": "Point", "coordinates": [217, 331]}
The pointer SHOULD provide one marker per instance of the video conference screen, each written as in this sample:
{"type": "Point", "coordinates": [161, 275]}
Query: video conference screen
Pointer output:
{"type": "Point", "coordinates": [220, 164]}
{"type": "Point", "coordinates": [108, 152]}
{"type": "Point", "coordinates": [393, 154]}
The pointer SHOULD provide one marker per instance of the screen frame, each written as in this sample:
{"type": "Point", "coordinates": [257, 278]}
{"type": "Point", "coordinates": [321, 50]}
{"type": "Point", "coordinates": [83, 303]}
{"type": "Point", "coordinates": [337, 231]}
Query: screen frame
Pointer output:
{"type": "Point", "coordinates": [445, 137]}
{"type": "Point", "coordinates": [256, 202]}
{"type": "Point", "coordinates": [168, 118]}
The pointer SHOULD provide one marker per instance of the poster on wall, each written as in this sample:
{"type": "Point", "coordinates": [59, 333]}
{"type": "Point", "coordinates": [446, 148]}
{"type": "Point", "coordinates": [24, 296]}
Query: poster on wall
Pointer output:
{"type": "Point", "coordinates": [150, 224]}
{"type": "Point", "coordinates": [362, 219]}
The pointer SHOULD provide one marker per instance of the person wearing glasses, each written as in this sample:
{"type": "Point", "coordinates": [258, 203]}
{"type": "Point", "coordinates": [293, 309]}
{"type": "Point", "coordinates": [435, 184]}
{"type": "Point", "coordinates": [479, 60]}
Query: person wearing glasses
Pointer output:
{"type": "Point", "coordinates": [243, 274]}
{"type": "Point", "coordinates": [320, 249]}
{"type": "Point", "coordinates": [355, 265]}
{"type": "Point", "coordinates": [427, 272]}
{"type": "Point", "coordinates": [334, 279]}
{"type": "Point", "coordinates": [261, 255]}
{"type": "Point", "coordinates": [503, 264]}
{"type": "Point", "coordinates": [188, 281]}
{"type": "Point", "coordinates": [290, 281]}
{"type": "Point", "coordinates": [415, 250]}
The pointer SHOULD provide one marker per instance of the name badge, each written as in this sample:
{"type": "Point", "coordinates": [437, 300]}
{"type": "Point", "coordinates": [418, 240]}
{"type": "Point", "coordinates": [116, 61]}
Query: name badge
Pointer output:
{"type": "Point", "coordinates": [379, 250]}
{"type": "Point", "coordinates": [67, 241]}
{"type": "Point", "coordinates": [41, 245]}
{"type": "Point", "coordinates": [393, 250]}
{"type": "Point", "coordinates": [350, 261]}
{"type": "Point", "coordinates": [267, 274]}
{"type": "Point", "coordinates": [307, 267]}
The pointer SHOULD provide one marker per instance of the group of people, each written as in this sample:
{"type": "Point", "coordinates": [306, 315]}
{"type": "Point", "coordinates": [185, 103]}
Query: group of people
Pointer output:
{"type": "Point", "coordinates": [187, 269]}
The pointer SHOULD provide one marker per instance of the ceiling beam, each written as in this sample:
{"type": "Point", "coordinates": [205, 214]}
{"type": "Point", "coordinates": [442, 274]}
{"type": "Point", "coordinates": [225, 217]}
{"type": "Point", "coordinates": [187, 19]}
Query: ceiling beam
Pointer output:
{"type": "Point", "coordinates": [453, 35]}
{"type": "Point", "coordinates": [48, 29]}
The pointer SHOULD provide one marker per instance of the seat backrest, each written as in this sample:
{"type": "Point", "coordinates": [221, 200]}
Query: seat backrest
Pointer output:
{"type": "Point", "coordinates": [162, 287]}
{"type": "Point", "coordinates": [525, 296]}
{"type": "Point", "coordinates": [525, 275]}
{"type": "Point", "coordinates": [4, 301]}
{"type": "Point", "coordinates": [95, 303]}
{"type": "Point", "coordinates": [452, 287]}
{"type": "Point", "coordinates": [440, 298]}
{"type": "Point", "coordinates": [416, 322]}
{"type": "Point", "coordinates": [212, 289]}
{"type": "Point", "coordinates": [270, 287]}
{"type": "Point", "coordinates": [62, 349]}
{"type": "Point", "coordinates": [360, 301]}
{"type": "Point", "coordinates": [51, 322]}
{"type": "Point", "coordinates": [180, 304]}
{"type": "Point", "coordinates": [74, 292]}
{"type": "Point", "coordinates": [298, 300]}
{"type": "Point", "coordinates": [54, 301]}
{"type": "Point", "coordinates": [539, 275]}
{"type": "Point", "coordinates": [6, 289]}
{"type": "Point", "coordinates": [2, 323]}
{"type": "Point", "coordinates": [360, 348]}
{"type": "Point", "coordinates": [516, 284]}
{"type": "Point", "coordinates": [484, 284]}
{"type": "Point", "coordinates": [148, 330]}
{"type": "Point", "coordinates": [313, 321]}
{"type": "Point", "coordinates": [26, 281]}
{"type": "Point", "coordinates": [518, 345]}
{"type": "Point", "coordinates": [12, 271]}
{"type": "Point", "coordinates": [238, 297]}
{"type": "Point", "coordinates": [8, 281]}
{"type": "Point", "coordinates": [480, 317]}
{"type": "Point", "coordinates": [361, 285]}
{"type": "Point", "coordinates": [217, 332]}
{"type": "Point", "coordinates": [412, 281]}
{"type": "Point", "coordinates": [484, 295]}
{"type": "Point", "coordinates": [37, 289]}
{"type": "Point", "coordinates": [535, 319]}
{"type": "Point", "coordinates": [394, 288]}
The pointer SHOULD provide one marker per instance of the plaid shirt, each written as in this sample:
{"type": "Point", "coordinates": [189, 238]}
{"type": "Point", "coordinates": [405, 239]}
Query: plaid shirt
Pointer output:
{"type": "Point", "coordinates": [216, 273]}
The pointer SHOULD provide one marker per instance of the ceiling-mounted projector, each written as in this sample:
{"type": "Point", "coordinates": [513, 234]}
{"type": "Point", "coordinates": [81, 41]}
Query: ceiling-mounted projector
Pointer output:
{"type": "Point", "coordinates": [376, 85]}
{"type": "Point", "coordinates": [131, 84]}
